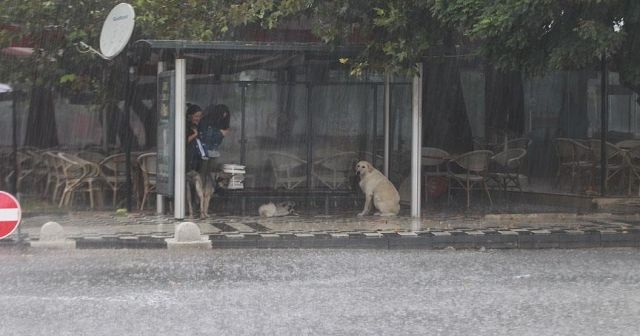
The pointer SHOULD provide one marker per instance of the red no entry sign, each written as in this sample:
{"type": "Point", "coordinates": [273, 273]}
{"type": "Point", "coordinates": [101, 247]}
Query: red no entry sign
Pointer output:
{"type": "Point", "coordinates": [10, 214]}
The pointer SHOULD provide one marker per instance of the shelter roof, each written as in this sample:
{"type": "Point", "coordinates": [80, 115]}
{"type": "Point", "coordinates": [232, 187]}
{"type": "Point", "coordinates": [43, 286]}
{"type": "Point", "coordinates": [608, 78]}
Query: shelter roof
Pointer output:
{"type": "Point", "coordinates": [214, 47]}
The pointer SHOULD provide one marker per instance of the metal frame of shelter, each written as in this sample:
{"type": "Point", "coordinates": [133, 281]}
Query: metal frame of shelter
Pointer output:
{"type": "Point", "coordinates": [181, 50]}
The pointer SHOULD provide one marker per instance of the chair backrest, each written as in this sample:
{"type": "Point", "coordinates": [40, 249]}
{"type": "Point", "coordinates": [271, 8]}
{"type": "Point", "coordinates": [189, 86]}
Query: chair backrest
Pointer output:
{"type": "Point", "coordinates": [571, 150]}
{"type": "Point", "coordinates": [521, 143]}
{"type": "Point", "coordinates": [147, 162]}
{"type": "Point", "coordinates": [283, 161]}
{"type": "Point", "coordinates": [54, 163]}
{"type": "Point", "coordinates": [340, 161]}
{"type": "Point", "coordinates": [92, 156]}
{"type": "Point", "coordinates": [474, 161]}
{"type": "Point", "coordinates": [114, 165]}
{"type": "Point", "coordinates": [564, 150]}
{"type": "Point", "coordinates": [511, 158]}
{"type": "Point", "coordinates": [433, 157]}
{"type": "Point", "coordinates": [628, 144]}
{"type": "Point", "coordinates": [72, 168]}
{"type": "Point", "coordinates": [611, 150]}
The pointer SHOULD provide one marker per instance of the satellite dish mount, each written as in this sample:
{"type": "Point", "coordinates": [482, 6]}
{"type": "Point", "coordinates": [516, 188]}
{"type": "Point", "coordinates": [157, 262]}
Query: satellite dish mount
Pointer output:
{"type": "Point", "coordinates": [116, 32]}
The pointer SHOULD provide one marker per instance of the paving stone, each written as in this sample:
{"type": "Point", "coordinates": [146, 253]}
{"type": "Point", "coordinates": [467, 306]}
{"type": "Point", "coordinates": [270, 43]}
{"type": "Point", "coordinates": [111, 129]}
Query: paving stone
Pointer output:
{"type": "Point", "coordinates": [277, 243]}
{"type": "Point", "coordinates": [619, 239]}
{"type": "Point", "coordinates": [233, 243]}
{"type": "Point", "coordinates": [410, 242]}
{"type": "Point", "coordinates": [465, 241]}
{"type": "Point", "coordinates": [497, 241]}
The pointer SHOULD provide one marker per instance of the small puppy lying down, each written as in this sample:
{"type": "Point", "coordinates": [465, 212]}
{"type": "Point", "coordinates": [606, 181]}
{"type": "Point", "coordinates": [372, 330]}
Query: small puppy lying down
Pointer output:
{"type": "Point", "coordinates": [276, 209]}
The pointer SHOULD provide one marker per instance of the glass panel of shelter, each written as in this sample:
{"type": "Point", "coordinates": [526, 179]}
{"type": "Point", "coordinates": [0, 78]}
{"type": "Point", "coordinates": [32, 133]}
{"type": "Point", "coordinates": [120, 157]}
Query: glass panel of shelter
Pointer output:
{"type": "Point", "coordinates": [309, 122]}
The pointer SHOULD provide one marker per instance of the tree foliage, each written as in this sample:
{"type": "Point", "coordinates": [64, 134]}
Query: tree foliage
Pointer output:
{"type": "Point", "coordinates": [529, 35]}
{"type": "Point", "coordinates": [532, 36]}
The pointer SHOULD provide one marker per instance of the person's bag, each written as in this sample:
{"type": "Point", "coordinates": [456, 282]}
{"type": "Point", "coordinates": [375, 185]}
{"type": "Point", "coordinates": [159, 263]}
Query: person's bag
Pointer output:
{"type": "Point", "coordinates": [201, 149]}
{"type": "Point", "coordinates": [212, 139]}
{"type": "Point", "coordinates": [213, 153]}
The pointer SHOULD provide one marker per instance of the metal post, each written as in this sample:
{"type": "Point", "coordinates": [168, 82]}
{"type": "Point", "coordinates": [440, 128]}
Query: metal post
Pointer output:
{"type": "Point", "coordinates": [105, 121]}
{"type": "Point", "coordinates": [387, 120]}
{"type": "Point", "coordinates": [375, 125]}
{"type": "Point", "coordinates": [127, 141]}
{"type": "Point", "coordinates": [309, 136]}
{"type": "Point", "coordinates": [416, 142]}
{"type": "Point", "coordinates": [180, 139]}
{"type": "Point", "coordinates": [160, 198]}
{"type": "Point", "coordinates": [604, 122]}
{"type": "Point", "coordinates": [243, 134]}
{"type": "Point", "coordinates": [14, 142]}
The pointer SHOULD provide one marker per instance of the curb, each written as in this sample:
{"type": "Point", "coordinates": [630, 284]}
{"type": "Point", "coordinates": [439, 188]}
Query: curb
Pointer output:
{"type": "Point", "coordinates": [391, 240]}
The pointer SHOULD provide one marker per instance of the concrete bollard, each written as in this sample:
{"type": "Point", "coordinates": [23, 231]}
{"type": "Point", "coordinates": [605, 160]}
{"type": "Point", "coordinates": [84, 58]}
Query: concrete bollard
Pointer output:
{"type": "Point", "coordinates": [52, 236]}
{"type": "Point", "coordinates": [187, 235]}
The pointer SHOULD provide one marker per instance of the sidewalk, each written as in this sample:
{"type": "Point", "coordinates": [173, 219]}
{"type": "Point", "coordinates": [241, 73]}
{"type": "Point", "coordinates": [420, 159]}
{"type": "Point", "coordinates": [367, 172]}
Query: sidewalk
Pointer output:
{"type": "Point", "coordinates": [540, 230]}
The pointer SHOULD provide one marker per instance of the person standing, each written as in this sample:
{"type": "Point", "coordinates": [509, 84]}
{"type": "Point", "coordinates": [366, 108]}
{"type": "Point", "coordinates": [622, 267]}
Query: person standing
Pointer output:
{"type": "Point", "coordinates": [193, 156]}
{"type": "Point", "coordinates": [215, 125]}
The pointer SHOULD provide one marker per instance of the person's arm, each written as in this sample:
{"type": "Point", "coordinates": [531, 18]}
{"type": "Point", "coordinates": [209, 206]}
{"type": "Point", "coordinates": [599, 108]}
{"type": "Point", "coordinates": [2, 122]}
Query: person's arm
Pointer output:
{"type": "Point", "coordinates": [193, 135]}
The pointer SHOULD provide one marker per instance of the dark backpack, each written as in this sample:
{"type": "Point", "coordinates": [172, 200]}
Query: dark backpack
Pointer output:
{"type": "Point", "coordinates": [212, 137]}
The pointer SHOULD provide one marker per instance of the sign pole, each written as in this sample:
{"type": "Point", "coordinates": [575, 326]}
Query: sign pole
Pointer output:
{"type": "Point", "coordinates": [14, 142]}
{"type": "Point", "coordinates": [159, 197]}
{"type": "Point", "coordinates": [416, 143]}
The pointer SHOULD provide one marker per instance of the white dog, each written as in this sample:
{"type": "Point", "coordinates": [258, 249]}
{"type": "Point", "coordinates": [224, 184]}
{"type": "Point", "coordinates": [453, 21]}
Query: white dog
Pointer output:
{"type": "Point", "coordinates": [378, 190]}
{"type": "Point", "coordinates": [276, 209]}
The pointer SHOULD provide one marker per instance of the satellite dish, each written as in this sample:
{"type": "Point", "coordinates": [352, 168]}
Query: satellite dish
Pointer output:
{"type": "Point", "coordinates": [117, 30]}
{"type": "Point", "coordinates": [115, 34]}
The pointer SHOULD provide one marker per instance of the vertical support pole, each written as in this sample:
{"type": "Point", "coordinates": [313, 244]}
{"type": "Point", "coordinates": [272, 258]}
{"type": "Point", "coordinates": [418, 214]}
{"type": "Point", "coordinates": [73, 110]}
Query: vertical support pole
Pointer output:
{"type": "Point", "coordinates": [243, 134]}
{"type": "Point", "coordinates": [160, 198]}
{"type": "Point", "coordinates": [105, 123]}
{"type": "Point", "coordinates": [180, 139]}
{"type": "Point", "coordinates": [604, 122]}
{"type": "Point", "coordinates": [127, 142]}
{"type": "Point", "coordinates": [374, 131]}
{"type": "Point", "coordinates": [14, 143]}
{"type": "Point", "coordinates": [310, 134]}
{"type": "Point", "coordinates": [416, 142]}
{"type": "Point", "coordinates": [387, 120]}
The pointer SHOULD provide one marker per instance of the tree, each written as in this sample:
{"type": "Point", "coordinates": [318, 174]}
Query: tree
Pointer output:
{"type": "Point", "coordinates": [531, 36]}
{"type": "Point", "coordinates": [53, 28]}
{"type": "Point", "coordinates": [537, 36]}
{"type": "Point", "coordinates": [512, 37]}
{"type": "Point", "coordinates": [55, 66]}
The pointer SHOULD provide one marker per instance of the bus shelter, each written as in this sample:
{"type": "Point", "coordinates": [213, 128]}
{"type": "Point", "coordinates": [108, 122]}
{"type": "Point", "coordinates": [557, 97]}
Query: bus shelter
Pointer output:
{"type": "Point", "coordinates": [293, 102]}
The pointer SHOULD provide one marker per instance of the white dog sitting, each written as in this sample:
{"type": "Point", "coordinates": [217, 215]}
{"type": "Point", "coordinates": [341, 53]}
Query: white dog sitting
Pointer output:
{"type": "Point", "coordinates": [378, 190]}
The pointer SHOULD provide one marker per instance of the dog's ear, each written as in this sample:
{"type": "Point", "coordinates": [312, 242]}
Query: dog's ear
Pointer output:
{"type": "Point", "coordinates": [369, 167]}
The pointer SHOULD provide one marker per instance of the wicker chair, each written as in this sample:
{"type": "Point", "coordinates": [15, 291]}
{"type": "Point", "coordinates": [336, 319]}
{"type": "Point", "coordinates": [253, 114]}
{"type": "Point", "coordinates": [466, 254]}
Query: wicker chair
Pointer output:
{"type": "Point", "coordinates": [147, 163]}
{"type": "Point", "coordinates": [334, 171]}
{"type": "Point", "coordinates": [433, 170]}
{"type": "Point", "coordinates": [81, 176]}
{"type": "Point", "coordinates": [289, 171]}
{"type": "Point", "coordinates": [468, 171]}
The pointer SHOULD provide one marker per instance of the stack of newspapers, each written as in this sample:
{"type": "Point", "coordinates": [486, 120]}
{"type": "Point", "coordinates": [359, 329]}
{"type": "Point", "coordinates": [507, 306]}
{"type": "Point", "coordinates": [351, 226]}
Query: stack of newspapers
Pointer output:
{"type": "Point", "coordinates": [237, 175]}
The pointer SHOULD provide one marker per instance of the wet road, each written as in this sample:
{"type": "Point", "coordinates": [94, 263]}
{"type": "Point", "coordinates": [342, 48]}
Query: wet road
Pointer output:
{"type": "Point", "coordinates": [320, 292]}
